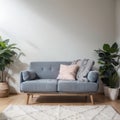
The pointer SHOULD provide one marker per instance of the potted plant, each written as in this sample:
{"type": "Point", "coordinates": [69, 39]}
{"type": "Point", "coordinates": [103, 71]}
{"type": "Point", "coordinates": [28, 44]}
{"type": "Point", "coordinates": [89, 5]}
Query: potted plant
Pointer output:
{"type": "Point", "coordinates": [7, 52]}
{"type": "Point", "coordinates": [109, 65]}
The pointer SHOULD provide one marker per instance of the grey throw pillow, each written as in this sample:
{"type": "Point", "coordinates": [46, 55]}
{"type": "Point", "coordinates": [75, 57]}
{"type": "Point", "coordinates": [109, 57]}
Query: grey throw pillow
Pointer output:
{"type": "Point", "coordinates": [93, 76]}
{"type": "Point", "coordinates": [29, 75]}
{"type": "Point", "coordinates": [78, 61]}
{"type": "Point", "coordinates": [85, 67]}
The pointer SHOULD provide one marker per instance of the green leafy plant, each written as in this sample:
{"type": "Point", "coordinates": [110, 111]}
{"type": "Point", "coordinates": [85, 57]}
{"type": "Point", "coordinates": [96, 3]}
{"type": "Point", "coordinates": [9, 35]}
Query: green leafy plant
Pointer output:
{"type": "Point", "coordinates": [7, 52]}
{"type": "Point", "coordinates": [109, 64]}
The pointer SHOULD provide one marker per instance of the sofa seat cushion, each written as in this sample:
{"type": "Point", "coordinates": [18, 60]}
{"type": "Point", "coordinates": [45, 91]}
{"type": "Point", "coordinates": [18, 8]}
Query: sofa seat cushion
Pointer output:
{"type": "Point", "coordinates": [41, 85]}
{"type": "Point", "coordinates": [77, 86]}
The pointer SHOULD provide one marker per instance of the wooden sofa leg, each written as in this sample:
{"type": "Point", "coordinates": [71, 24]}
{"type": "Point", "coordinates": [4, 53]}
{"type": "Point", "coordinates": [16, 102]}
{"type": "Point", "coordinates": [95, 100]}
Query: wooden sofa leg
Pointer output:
{"type": "Point", "coordinates": [91, 99]}
{"type": "Point", "coordinates": [28, 96]}
{"type": "Point", "coordinates": [32, 95]}
{"type": "Point", "coordinates": [86, 98]}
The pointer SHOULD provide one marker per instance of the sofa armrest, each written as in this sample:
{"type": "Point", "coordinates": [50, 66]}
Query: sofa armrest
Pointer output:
{"type": "Point", "coordinates": [21, 78]}
{"type": "Point", "coordinates": [28, 75]}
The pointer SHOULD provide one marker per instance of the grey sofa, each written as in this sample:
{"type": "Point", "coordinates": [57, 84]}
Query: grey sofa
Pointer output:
{"type": "Point", "coordinates": [45, 82]}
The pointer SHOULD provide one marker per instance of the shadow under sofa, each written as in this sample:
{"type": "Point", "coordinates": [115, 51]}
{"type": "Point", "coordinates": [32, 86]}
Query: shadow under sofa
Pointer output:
{"type": "Point", "coordinates": [47, 84]}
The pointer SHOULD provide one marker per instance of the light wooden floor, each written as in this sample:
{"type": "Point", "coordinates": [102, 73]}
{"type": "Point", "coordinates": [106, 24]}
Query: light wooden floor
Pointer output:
{"type": "Point", "coordinates": [20, 99]}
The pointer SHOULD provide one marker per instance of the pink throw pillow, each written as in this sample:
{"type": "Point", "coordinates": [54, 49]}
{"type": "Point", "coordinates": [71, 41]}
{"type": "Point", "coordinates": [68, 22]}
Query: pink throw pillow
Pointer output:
{"type": "Point", "coordinates": [67, 72]}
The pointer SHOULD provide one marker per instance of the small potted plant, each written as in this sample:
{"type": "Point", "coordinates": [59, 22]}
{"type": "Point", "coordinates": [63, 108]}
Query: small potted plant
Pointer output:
{"type": "Point", "coordinates": [7, 52]}
{"type": "Point", "coordinates": [109, 65]}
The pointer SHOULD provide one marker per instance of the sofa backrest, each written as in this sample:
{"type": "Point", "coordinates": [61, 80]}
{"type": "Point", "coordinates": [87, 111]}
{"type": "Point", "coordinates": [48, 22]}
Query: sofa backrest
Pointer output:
{"type": "Point", "coordinates": [47, 70]}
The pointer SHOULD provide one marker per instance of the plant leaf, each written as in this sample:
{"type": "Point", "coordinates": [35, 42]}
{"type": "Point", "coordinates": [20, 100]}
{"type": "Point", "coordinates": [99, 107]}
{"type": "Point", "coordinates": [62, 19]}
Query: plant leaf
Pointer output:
{"type": "Point", "coordinates": [6, 41]}
{"type": "Point", "coordinates": [106, 47]}
{"type": "Point", "coordinates": [2, 51]}
{"type": "Point", "coordinates": [114, 48]}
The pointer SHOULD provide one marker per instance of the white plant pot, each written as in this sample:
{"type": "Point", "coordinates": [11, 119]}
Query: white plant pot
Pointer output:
{"type": "Point", "coordinates": [106, 91]}
{"type": "Point", "coordinates": [113, 93]}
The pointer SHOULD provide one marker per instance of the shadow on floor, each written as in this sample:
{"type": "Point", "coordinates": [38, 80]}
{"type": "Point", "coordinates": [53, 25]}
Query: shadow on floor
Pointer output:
{"type": "Point", "coordinates": [61, 99]}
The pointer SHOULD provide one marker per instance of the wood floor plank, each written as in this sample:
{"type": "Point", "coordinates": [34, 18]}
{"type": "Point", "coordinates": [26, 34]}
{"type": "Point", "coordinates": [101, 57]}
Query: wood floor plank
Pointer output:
{"type": "Point", "coordinates": [20, 99]}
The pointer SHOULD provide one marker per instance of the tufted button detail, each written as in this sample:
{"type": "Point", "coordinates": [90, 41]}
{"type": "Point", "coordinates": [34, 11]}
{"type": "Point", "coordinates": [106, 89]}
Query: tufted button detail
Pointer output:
{"type": "Point", "coordinates": [50, 68]}
{"type": "Point", "coordinates": [42, 68]}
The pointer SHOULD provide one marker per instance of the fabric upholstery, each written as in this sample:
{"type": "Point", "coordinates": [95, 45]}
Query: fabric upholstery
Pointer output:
{"type": "Point", "coordinates": [42, 85]}
{"type": "Point", "coordinates": [29, 75]}
{"type": "Point", "coordinates": [67, 72]}
{"type": "Point", "coordinates": [92, 76]}
{"type": "Point", "coordinates": [78, 62]}
{"type": "Point", "coordinates": [77, 86]}
{"type": "Point", "coordinates": [47, 70]}
{"type": "Point", "coordinates": [85, 66]}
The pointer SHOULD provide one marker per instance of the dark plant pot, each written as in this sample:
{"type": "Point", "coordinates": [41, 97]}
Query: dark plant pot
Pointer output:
{"type": "Point", "coordinates": [4, 89]}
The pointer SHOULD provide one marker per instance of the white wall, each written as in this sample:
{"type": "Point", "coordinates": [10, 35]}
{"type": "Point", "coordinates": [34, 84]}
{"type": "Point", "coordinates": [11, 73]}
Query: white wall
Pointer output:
{"type": "Point", "coordinates": [118, 24]}
{"type": "Point", "coordinates": [50, 30]}
{"type": "Point", "coordinates": [118, 21]}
